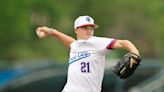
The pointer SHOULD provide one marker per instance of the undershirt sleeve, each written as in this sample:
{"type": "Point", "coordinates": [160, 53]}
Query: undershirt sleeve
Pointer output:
{"type": "Point", "coordinates": [110, 45]}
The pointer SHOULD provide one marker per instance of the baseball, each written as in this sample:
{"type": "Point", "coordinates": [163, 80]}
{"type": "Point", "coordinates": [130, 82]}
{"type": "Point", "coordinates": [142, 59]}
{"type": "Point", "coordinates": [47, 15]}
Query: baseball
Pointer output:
{"type": "Point", "coordinates": [41, 34]}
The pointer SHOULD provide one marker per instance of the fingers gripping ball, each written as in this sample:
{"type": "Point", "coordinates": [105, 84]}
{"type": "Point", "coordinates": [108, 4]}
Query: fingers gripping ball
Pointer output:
{"type": "Point", "coordinates": [41, 34]}
{"type": "Point", "coordinates": [122, 69]}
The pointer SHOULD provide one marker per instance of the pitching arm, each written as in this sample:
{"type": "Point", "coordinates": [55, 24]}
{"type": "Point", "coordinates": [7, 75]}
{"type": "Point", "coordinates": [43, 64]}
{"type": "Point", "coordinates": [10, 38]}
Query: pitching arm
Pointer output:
{"type": "Point", "coordinates": [63, 38]}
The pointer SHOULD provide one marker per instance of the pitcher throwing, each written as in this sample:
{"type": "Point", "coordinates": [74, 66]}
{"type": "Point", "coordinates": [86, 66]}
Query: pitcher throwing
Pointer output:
{"type": "Point", "coordinates": [87, 54]}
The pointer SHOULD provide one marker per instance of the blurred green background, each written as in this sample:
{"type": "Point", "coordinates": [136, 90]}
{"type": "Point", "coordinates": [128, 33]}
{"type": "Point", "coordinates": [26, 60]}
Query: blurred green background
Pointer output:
{"type": "Point", "coordinates": [140, 21]}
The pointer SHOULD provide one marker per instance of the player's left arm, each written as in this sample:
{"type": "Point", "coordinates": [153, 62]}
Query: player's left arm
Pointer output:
{"type": "Point", "coordinates": [126, 44]}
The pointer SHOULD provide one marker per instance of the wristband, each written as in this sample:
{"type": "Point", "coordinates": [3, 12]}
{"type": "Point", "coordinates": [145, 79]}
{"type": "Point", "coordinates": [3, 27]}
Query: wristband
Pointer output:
{"type": "Point", "coordinates": [51, 31]}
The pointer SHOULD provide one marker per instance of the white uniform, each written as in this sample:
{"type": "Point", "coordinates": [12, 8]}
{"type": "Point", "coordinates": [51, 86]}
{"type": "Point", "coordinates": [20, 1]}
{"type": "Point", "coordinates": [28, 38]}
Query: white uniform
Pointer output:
{"type": "Point", "coordinates": [86, 64]}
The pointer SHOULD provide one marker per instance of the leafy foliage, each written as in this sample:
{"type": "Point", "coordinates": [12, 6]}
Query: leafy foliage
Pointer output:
{"type": "Point", "coordinates": [140, 21]}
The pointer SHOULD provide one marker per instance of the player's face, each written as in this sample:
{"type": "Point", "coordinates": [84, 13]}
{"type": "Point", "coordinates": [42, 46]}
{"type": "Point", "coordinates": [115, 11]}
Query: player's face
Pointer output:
{"type": "Point", "coordinates": [84, 32]}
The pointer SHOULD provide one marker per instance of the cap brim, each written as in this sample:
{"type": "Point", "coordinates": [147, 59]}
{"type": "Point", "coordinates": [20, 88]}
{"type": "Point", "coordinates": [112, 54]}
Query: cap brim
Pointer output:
{"type": "Point", "coordinates": [94, 25]}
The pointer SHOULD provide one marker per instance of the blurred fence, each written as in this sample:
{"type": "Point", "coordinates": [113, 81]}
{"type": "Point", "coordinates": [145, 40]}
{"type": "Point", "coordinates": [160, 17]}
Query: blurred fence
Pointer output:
{"type": "Point", "coordinates": [153, 84]}
{"type": "Point", "coordinates": [50, 77]}
{"type": "Point", "coordinates": [149, 77]}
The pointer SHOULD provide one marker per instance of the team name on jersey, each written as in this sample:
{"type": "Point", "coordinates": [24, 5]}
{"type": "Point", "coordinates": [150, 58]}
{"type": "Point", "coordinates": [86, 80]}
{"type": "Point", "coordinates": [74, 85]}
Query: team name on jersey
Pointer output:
{"type": "Point", "coordinates": [79, 56]}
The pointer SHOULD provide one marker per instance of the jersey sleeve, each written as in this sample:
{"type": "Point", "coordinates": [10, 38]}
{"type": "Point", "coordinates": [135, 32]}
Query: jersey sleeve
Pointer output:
{"type": "Point", "coordinates": [111, 44]}
{"type": "Point", "coordinates": [106, 44]}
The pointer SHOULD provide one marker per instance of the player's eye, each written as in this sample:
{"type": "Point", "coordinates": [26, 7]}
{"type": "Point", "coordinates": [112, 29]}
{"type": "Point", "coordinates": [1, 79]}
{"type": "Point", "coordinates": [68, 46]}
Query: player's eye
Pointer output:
{"type": "Point", "coordinates": [84, 27]}
{"type": "Point", "coordinates": [88, 28]}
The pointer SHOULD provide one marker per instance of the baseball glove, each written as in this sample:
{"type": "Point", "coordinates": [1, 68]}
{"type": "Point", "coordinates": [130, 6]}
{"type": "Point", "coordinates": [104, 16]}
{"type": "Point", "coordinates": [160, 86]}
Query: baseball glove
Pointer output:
{"type": "Point", "coordinates": [122, 69]}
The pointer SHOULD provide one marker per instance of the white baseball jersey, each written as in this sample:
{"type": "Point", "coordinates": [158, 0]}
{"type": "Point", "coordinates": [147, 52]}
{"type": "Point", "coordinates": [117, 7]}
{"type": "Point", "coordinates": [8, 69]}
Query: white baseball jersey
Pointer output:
{"type": "Point", "coordinates": [86, 64]}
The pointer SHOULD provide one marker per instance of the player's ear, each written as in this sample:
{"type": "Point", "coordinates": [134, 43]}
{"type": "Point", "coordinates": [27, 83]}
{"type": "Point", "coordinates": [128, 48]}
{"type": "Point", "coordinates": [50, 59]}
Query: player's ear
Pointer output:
{"type": "Point", "coordinates": [76, 30]}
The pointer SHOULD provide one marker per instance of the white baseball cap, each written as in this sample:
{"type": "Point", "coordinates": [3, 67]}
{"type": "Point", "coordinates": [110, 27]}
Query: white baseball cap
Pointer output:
{"type": "Point", "coordinates": [84, 21]}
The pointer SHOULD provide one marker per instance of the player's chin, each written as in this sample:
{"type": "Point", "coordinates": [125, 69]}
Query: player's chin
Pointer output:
{"type": "Point", "coordinates": [88, 36]}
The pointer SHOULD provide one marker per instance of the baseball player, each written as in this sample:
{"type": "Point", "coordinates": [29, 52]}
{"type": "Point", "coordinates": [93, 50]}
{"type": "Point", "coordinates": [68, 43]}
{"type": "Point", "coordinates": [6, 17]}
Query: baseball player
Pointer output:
{"type": "Point", "coordinates": [87, 54]}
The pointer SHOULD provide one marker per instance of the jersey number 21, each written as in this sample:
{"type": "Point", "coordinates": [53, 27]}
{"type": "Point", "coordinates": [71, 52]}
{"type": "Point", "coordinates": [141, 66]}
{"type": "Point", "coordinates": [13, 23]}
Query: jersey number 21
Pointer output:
{"type": "Point", "coordinates": [85, 67]}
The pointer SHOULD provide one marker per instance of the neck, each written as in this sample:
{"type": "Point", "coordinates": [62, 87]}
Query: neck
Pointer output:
{"type": "Point", "coordinates": [84, 38]}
